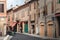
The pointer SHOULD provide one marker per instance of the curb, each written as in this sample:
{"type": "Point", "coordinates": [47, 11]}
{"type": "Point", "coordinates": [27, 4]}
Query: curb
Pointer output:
{"type": "Point", "coordinates": [40, 36]}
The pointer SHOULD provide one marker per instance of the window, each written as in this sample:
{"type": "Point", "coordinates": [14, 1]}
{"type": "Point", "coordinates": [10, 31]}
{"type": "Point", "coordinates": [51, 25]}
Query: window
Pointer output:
{"type": "Point", "coordinates": [38, 2]}
{"type": "Point", "coordinates": [22, 14]}
{"type": "Point", "coordinates": [8, 18]}
{"type": "Point", "coordinates": [45, 11]}
{"type": "Point", "coordinates": [30, 7]}
{"type": "Point", "coordinates": [38, 14]}
{"type": "Point", "coordinates": [1, 7]}
{"type": "Point", "coordinates": [34, 5]}
{"type": "Point", "coordinates": [52, 7]}
{"type": "Point", "coordinates": [44, 14]}
{"type": "Point", "coordinates": [13, 17]}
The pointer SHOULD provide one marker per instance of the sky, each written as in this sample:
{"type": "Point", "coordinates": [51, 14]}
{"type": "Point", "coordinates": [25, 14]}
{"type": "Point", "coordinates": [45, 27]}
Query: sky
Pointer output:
{"type": "Point", "coordinates": [14, 3]}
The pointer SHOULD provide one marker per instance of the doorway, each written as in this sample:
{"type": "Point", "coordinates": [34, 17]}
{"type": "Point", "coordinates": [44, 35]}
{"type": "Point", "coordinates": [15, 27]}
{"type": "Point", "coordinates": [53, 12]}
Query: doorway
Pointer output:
{"type": "Point", "coordinates": [21, 28]}
{"type": "Point", "coordinates": [26, 27]}
{"type": "Point", "coordinates": [33, 29]}
{"type": "Point", "coordinates": [58, 20]}
{"type": "Point", "coordinates": [15, 28]}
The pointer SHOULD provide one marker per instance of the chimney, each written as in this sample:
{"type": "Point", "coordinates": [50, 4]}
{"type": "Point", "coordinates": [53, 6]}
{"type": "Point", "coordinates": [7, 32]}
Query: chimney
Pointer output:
{"type": "Point", "coordinates": [27, 1]}
{"type": "Point", "coordinates": [15, 7]}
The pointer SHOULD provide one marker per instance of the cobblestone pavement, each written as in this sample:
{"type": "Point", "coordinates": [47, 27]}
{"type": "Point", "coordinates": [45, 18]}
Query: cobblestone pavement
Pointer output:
{"type": "Point", "coordinates": [27, 37]}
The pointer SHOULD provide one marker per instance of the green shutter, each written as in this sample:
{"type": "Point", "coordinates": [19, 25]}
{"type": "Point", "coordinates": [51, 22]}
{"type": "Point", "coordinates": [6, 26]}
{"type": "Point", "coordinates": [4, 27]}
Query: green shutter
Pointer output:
{"type": "Point", "coordinates": [26, 28]}
{"type": "Point", "coordinates": [59, 1]}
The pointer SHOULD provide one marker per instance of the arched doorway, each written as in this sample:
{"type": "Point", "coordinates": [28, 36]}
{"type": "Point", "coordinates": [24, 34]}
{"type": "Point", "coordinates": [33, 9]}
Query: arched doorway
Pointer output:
{"type": "Point", "coordinates": [50, 28]}
{"type": "Point", "coordinates": [57, 15]}
{"type": "Point", "coordinates": [42, 33]}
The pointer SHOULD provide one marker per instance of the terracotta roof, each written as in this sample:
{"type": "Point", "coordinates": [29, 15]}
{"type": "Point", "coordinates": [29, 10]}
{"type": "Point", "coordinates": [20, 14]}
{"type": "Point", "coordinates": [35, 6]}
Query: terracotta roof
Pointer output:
{"type": "Point", "coordinates": [22, 6]}
{"type": "Point", "coordinates": [12, 24]}
{"type": "Point", "coordinates": [9, 10]}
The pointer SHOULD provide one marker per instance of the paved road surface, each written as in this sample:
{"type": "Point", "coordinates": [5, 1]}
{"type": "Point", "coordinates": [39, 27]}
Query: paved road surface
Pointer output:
{"type": "Point", "coordinates": [27, 37]}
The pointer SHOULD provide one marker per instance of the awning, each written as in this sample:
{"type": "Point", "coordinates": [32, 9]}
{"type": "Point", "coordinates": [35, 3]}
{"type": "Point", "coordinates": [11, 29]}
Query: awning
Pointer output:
{"type": "Point", "coordinates": [57, 14]}
{"type": "Point", "coordinates": [12, 24]}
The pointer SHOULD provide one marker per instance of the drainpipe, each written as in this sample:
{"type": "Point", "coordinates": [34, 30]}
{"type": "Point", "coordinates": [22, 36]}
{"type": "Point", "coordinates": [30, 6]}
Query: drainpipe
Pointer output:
{"type": "Point", "coordinates": [54, 21]}
{"type": "Point", "coordinates": [29, 20]}
{"type": "Point", "coordinates": [45, 18]}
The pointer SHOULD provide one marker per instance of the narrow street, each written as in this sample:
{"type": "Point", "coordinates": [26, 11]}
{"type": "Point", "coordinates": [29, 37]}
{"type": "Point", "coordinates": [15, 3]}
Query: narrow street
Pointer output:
{"type": "Point", "coordinates": [27, 37]}
{"type": "Point", "coordinates": [29, 19]}
{"type": "Point", "coordinates": [24, 37]}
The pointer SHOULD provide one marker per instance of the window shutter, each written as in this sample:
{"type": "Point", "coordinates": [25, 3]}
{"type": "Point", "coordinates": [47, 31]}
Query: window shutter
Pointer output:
{"type": "Point", "coordinates": [1, 7]}
{"type": "Point", "coordinates": [59, 1]}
